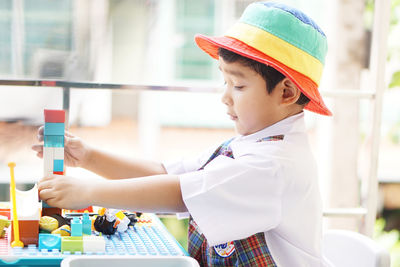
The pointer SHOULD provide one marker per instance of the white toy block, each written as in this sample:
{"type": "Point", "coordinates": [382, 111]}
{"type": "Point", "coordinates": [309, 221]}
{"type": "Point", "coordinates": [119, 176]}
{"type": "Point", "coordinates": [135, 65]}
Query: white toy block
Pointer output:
{"type": "Point", "coordinates": [94, 244]}
{"type": "Point", "coordinates": [28, 205]}
{"type": "Point", "coordinates": [58, 153]}
{"type": "Point", "coordinates": [48, 161]}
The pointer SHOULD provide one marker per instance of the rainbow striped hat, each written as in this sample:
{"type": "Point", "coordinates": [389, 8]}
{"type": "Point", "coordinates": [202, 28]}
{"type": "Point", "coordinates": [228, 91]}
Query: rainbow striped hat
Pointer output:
{"type": "Point", "coordinates": [281, 37]}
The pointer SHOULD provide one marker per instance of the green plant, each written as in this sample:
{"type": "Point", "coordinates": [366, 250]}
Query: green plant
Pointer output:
{"type": "Point", "coordinates": [389, 240]}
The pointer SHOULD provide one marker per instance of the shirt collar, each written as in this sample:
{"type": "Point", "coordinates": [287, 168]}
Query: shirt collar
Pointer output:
{"type": "Point", "coordinates": [288, 125]}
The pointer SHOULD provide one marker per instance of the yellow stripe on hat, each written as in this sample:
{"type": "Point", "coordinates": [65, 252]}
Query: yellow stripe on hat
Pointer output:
{"type": "Point", "coordinates": [278, 49]}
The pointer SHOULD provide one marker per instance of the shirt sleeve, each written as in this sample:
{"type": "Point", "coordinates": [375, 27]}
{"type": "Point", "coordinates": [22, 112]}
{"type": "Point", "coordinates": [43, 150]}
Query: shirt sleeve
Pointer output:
{"type": "Point", "coordinates": [185, 166]}
{"type": "Point", "coordinates": [232, 199]}
{"type": "Point", "coordinates": [188, 165]}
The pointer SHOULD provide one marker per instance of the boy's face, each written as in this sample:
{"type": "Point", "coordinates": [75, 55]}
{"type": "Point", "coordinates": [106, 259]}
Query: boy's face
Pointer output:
{"type": "Point", "coordinates": [248, 103]}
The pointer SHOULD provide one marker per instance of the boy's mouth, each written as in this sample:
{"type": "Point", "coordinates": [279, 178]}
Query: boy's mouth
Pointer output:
{"type": "Point", "coordinates": [232, 117]}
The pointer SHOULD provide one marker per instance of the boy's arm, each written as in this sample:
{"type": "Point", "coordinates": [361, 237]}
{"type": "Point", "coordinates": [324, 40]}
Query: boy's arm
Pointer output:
{"type": "Point", "coordinates": [78, 154]}
{"type": "Point", "coordinates": [159, 193]}
{"type": "Point", "coordinates": [114, 167]}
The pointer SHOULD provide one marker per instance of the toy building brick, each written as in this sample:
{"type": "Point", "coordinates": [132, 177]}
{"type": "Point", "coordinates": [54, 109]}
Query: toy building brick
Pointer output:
{"type": "Point", "coordinates": [53, 148]}
{"type": "Point", "coordinates": [28, 211]}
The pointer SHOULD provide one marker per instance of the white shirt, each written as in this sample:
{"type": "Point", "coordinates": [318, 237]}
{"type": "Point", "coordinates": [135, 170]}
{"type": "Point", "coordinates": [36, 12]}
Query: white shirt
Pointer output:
{"type": "Point", "coordinates": [269, 186]}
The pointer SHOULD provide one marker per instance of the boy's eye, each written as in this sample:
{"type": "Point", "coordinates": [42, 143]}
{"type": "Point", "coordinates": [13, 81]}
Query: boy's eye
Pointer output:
{"type": "Point", "coordinates": [238, 87]}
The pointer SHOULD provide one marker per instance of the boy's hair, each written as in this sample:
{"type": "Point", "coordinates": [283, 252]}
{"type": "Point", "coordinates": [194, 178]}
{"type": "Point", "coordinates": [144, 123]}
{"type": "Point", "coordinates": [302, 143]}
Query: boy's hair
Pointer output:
{"type": "Point", "coordinates": [271, 76]}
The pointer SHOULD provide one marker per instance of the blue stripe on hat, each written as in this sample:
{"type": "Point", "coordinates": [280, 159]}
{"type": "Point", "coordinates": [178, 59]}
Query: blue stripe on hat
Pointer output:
{"type": "Point", "coordinates": [297, 13]}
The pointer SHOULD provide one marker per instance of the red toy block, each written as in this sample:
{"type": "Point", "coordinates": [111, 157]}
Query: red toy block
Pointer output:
{"type": "Point", "coordinates": [54, 115]}
{"type": "Point", "coordinates": [50, 211]}
{"type": "Point", "coordinates": [59, 173]}
{"type": "Point", "coordinates": [28, 231]}
{"type": "Point", "coordinates": [5, 212]}
{"type": "Point", "coordinates": [89, 209]}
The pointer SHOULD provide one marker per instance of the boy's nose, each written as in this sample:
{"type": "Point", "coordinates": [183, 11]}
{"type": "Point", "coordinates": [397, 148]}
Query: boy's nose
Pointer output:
{"type": "Point", "coordinates": [226, 98]}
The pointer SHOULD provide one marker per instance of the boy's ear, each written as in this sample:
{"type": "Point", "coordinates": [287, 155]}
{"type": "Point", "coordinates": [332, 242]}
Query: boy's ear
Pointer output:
{"type": "Point", "coordinates": [290, 92]}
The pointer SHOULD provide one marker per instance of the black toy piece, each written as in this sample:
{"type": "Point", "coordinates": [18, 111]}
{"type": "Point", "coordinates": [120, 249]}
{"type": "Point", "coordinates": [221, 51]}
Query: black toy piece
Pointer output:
{"type": "Point", "coordinates": [132, 218]}
{"type": "Point", "coordinates": [103, 226]}
{"type": "Point", "coordinates": [61, 220]}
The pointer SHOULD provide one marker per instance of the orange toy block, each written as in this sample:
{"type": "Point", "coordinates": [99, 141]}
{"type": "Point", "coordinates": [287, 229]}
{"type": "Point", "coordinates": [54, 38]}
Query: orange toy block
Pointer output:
{"type": "Point", "coordinates": [28, 232]}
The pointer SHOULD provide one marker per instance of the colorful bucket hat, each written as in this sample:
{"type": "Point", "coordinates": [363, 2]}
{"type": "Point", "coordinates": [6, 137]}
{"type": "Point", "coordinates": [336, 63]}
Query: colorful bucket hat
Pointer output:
{"type": "Point", "coordinates": [281, 37]}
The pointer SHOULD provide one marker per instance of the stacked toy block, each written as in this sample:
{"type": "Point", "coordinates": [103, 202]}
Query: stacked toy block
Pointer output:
{"type": "Point", "coordinates": [53, 148]}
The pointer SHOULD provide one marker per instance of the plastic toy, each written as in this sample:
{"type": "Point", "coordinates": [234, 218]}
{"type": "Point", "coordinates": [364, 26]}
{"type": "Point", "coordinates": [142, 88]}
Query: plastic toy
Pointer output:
{"type": "Point", "coordinates": [53, 148]}
{"type": "Point", "coordinates": [86, 224]}
{"type": "Point", "coordinates": [72, 244]}
{"type": "Point", "coordinates": [25, 213]}
{"type": "Point", "coordinates": [102, 225]}
{"type": "Point", "coordinates": [17, 242]}
{"type": "Point", "coordinates": [110, 221]}
{"type": "Point", "coordinates": [5, 209]}
{"type": "Point", "coordinates": [61, 220]}
{"type": "Point", "coordinates": [76, 227]}
{"type": "Point", "coordinates": [4, 223]}
{"type": "Point", "coordinates": [49, 241]}
{"type": "Point", "coordinates": [94, 244]}
{"type": "Point", "coordinates": [64, 230]}
{"type": "Point", "coordinates": [48, 223]}
{"type": "Point", "coordinates": [147, 238]}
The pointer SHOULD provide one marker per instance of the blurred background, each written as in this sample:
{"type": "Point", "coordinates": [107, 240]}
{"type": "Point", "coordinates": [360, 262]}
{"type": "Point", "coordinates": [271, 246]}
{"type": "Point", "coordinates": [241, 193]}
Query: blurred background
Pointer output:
{"type": "Point", "coordinates": [150, 42]}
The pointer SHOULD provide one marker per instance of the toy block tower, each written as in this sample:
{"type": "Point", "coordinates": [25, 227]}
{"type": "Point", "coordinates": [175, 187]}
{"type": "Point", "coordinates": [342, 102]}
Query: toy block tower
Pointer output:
{"type": "Point", "coordinates": [53, 148]}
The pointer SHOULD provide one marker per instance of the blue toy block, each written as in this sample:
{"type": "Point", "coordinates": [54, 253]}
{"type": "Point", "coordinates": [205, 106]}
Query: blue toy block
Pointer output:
{"type": "Point", "coordinates": [58, 165]}
{"type": "Point", "coordinates": [45, 205]}
{"type": "Point", "coordinates": [54, 140]}
{"type": "Point", "coordinates": [51, 128]}
{"type": "Point", "coordinates": [86, 224]}
{"type": "Point", "coordinates": [76, 227]}
{"type": "Point", "coordinates": [49, 242]}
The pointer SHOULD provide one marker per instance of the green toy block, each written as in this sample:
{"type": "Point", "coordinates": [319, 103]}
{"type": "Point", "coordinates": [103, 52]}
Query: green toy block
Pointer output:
{"type": "Point", "coordinates": [71, 244]}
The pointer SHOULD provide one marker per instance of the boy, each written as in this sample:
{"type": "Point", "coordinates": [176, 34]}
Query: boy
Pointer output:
{"type": "Point", "coordinates": [254, 201]}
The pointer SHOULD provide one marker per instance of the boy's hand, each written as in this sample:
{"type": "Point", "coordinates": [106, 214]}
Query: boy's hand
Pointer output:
{"type": "Point", "coordinates": [76, 152]}
{"type": "Point", "coordinates": [65, 192]}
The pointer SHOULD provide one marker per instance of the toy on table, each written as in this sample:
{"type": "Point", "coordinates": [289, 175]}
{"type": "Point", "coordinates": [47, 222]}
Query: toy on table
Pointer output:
{"type": "Point", "coordinates": [53, 149]}
{"type": "Point", "coordinates": [4, 223]}
{"type": "Point", "coordinates": [110, 221]}
{"type": "Point", "coordinates": [148, 237]}
{"type": "Point", "coordinates": [48, 224]}
{"type": "Point", "coordinates": [26, 210]}
{"type": "Point", "coordinates": [64, 230]}
{"type": "Point", "coordinates": [17, 242]}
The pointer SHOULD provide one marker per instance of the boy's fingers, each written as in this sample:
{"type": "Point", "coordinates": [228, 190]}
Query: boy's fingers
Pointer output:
{"type": "Point", "coordinates": [45, 182]}
{"type": "Point", "coordinates": [68, 134]}
{"type": "Point", "coordinates": [40, 137]}
{"type": "Point", "coordinates": [42, 185]}
{"type": "Point", "coordinates": [37, 148]}
{"type": "Point", "coordinates": [40, 133]}
{"type": "Point", "coordinates": [46, 195]}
